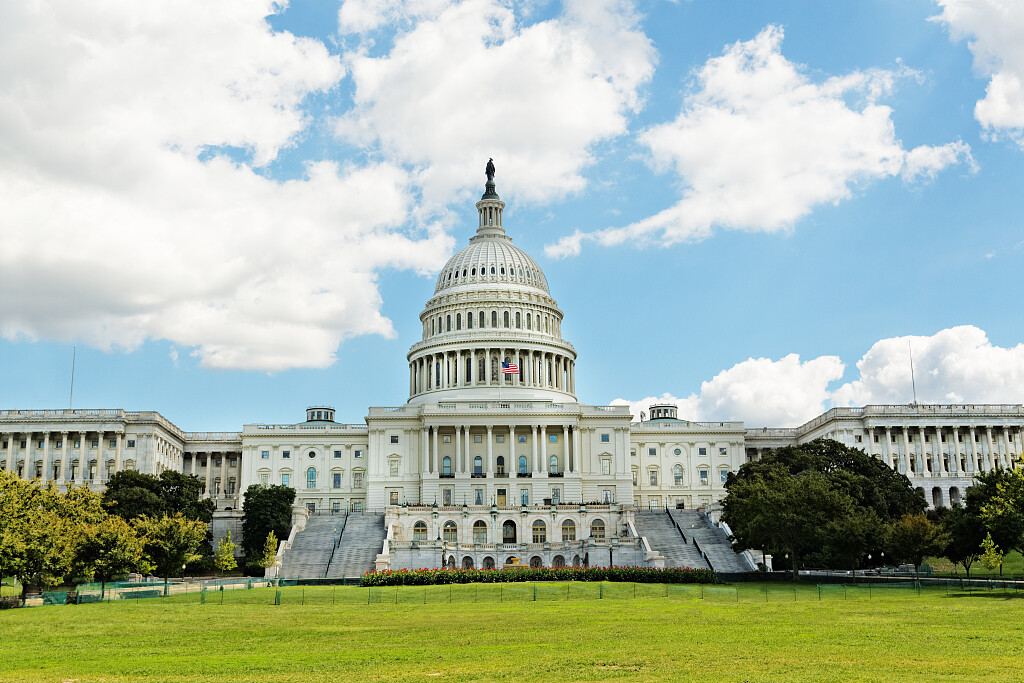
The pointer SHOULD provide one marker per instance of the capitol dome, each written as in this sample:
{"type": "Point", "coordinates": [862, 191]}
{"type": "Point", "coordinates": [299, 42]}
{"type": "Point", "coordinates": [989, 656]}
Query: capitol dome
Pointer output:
{"type": "Point", "coordinates": [491, 259]}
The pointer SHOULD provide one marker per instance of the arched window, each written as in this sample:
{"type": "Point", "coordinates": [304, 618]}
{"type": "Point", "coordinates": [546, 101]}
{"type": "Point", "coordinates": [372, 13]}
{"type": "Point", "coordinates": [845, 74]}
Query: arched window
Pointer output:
{"type": "Point", "coordinates": [419, 531]}
{"type": "Point", "coordinates": [311, 478]}
{"type": "Point", "coordinates": [597, 529]}
{"type": "Point", "coordinates": [508, 532]}
{"type": "Point", "coordinates": [677, 475]}
{"type": "Point", "coordinates": [440, 325]}
{"type": "Point", "coordinates": [482, 371]}
{"type": "Point", "coordinates": [528, 321]}
{"type": "Point", "coordinates": [448, 321]}
{"type": "Point", "coordinates": [450, 532]}
{"type": "Point", "coordinates": [458, 321]}
{"type": "Point", "coordinates": [481, 319]}
{"type": "Point", "coordinates": [545, 324]}
{"type": "Point", "coordinates": [463, 272]}
{"type": "Point", "coordinates": [478, 465]}
{"type": "Point", "coordinates": [494, 368]}
{"type": "Point", "coordinates": [492, 270]}
{"type": "Point", "coordinates": [432, 328]}
{"type": "Point", "coordinates": [519, 321]}
{"type": "Point", "coordinates": [446, 467]}
{"type": "Point", "coordinates": [469, 321]}
{"type": "Point", "coordinates": [474, 271]}
{"type": "Point", "coordinates": [469, 367]}
{"type": "Point", "coordinates": [522, 464]}
{"type": "Point", "coordinates": [479, 532]}
{"type": "Point", "coordinates": [505, 317]}
{"type": "Point", "coordinates": [554, 465]}
{"type": "Point", "coordinates": [494, 318]}
{"type": "Point", "coordinates": [540, 532]}
{"type": "Point", "coordinates": [437, 372]}
{"type": "Point", "coordinates": [558, 561]}
{"type": "Point", "coordinates": [568, 530]}
{"type": "Point", "coordinates": [456, 275]}
{"type": "Point", "coordinates": [503, 270]}
{"type": "Point", "coordinates": [501, 464]}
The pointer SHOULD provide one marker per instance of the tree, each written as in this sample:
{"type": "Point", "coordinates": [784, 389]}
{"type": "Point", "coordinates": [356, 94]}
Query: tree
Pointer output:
{"type": "Point", "coordinates": [130, 495]}
{"type": "Point", "coordinates": [170, 542]}
{"type": "Point", "coordinates": [267, 508]}
{"type": "Point", "coordinates": [991, 498]}
{"type": "Point", "coordinates": [183, 493]}
{"type": "Point", "coordinates": [269, 555]}
{"type": "Point", "coordinates": [913, 537]}
{"type": "Point", "coordinates": [966, 532]}
{"type": "Point", "coordinates": [991, 555]}
{"type": "Point", "coordinates": [109, 549]}
{"type": "Point", "coordinates": [224, 558]}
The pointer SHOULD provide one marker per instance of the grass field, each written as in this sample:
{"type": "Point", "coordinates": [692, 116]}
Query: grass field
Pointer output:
{"type": "Point", "coordinates": [1013, 565]}
{"type": "Point", "coordinates": [750, 632]}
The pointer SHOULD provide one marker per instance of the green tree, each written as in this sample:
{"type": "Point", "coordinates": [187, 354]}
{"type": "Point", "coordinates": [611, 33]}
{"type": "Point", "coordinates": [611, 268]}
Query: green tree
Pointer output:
{"type": "Point", "coordinates": [267, 508]}
{"type": "Point", "coordinates": [911, 538]}
{"type": "Point", "coordinates": [269, 555]}
{"type": "Point", "coordinates": [170, 542]}
{"type": "Point", "coordinates": [183, 493]}
{"type": "Point", "coordinates": [966, 532]}
{"type": "Point", "coordinates": [991, 498]}
{"type": "Point", "coordinates": [130, 495]}
{"type": "Point", "coordinates": [991, 555]}
{"type": "Point", "coordinates": [109, 549]}
{"type": "Point", "coordinates": [224, 558]}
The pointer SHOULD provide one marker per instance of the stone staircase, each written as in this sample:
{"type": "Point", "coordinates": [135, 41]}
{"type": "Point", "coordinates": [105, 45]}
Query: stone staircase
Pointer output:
{"type": "Point", "coordinates": [312, 548]}
{"type": "Point", "coordinates": [663, 536]}
{"type": "Point", "coordinates": [360, 544]}
{"type": "Point", "coordinates": [711, 540]}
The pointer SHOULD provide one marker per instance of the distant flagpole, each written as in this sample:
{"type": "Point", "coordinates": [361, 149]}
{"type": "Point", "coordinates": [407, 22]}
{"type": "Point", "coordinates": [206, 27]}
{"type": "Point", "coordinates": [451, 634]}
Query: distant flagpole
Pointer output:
{"type": "Point", "coordinates": [913, 384]}
{"type": "Point", "coordinates": [71, 396]}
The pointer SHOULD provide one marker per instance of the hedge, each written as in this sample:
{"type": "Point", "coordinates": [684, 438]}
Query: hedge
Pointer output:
{"type": "Point", "coordinates": [429, 577]}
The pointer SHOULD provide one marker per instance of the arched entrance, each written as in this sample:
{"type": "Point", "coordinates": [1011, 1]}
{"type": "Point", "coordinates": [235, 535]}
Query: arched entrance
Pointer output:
{"type": "Point", "coordinates": [488, 563]}
{"type": "Point", "coordinates": [536, 562]}
{"type": "Point", "coordinates": [558, 561]}
{"type": "Point", "coordinates": [467, 562]}
{"type": "Point", "coordinates": [508, 532]}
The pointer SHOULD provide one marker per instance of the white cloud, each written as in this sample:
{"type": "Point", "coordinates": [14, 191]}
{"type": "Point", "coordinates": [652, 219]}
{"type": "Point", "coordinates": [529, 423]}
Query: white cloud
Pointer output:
{"type": "Point", "coordinates": [757, 145]}
{"type": "Point", "coordinates": [115, 232]}
{"type": "Point", "coordinates": [956, 365]}
{"type": "Point", "coordinates": [471, 80]}
{"type": "Point", "coordinates": [993, 29]}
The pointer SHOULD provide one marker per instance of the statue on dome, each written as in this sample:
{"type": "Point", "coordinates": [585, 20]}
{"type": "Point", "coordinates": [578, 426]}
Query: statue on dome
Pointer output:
{"type": "Point", "coordinates": [490, 171]}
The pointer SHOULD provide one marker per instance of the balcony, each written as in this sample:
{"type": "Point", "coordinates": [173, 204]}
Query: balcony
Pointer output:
{"type": "Point", "coordinates": [525, 475]}
{"type": "Point", "coordinates": [446, 476]}
{"type": "Point", "coordinates": [478, 475]}
{"type": "Point", "coordinates": [556, 474]}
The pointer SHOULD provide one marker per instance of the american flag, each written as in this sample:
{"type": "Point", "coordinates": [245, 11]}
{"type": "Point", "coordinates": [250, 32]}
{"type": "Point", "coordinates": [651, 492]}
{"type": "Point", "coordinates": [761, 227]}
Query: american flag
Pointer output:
{"type": "Point", "coordinates": [509, 369]}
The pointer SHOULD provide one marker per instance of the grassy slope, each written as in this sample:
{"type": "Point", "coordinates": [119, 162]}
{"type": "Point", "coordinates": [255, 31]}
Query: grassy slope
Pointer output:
{"type": "Point", "coordinates": [729, 635]}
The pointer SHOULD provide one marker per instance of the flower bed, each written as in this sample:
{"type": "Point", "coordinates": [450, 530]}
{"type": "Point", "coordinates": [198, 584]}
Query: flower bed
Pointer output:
{"type": "Point", "coordinates": [429, 577]}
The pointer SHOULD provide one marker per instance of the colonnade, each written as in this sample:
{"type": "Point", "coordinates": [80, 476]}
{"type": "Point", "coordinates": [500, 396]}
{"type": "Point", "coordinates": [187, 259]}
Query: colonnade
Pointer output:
{"type": "Point", "coordinates": [51, 456]}
{"type": "Point", "coordinates": [482, 367]}
{"type": "Point", "coordinates": [218, 480]}
{"type": "Point", "coordinates": [941, 451]}
{"type": "Point", "coordinates": [463, 463]}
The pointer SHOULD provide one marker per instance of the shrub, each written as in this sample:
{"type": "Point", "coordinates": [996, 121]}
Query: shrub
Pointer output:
{"type": "Point", "coordinates": [430, 577]}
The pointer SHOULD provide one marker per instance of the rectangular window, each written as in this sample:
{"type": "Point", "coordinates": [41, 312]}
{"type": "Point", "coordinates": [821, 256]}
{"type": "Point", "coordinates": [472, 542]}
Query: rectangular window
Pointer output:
{"type": "Point", "coordinates": [478, 438]}
{"type": "Point", "coordinates": [357, 480]}
{"type": "Point", "coordinates": [335, 506]}
{"type": "Point", "coordinates": [231, 462]}
{"type": "Point", "coordinates": [725, 475]}
{"type": "Point", "coordinates": [524, 496]}
{"type": "Point", "coordinates": [723, 451]}
{"type": "Point", "coordinates": [337, 454]}
{"type": "Point", "coordinates": [522, 438]}
{"type": "Point", "coordinates": [478, 497]}
{"type": "Point", "coordinates": [60, 444]}
{"type": "Point", "coordinates": [394, 469]}
{"type": "Point", "coordinates": [876, 438]}
{"type": "Point", "coordinates": [553, 438]}
{"type": "Point", "coordinates": [500, 438]}
{"type": "Point", "coordinates": [359, 454]}
{"type": "Point", "coordinates": [652, 451]}
{"type": "Point", "coordinates": [41, 444]}
{"type": "Point", "coordinates": [217, 462]}
{"type": "Point", "coordinates": [264, 479]}
{"type": "Point", "coordinates": [394, 439]}
{"type": "Point", "coordinates": [78, 444]}
{"type": "Point", "coordinates": [357, 506]}
{"type": "Point", "coordinates": [556, 495]}
{"type": "Point", "coordinates": [654, 477]}
{"type": "Point", "coordinates": [286, 454]}
{"type": "Point", "coordinates": [857, 438]}
{"type": "Point", "coordinates": [702, 451]}
{"type": "Point", "coordinates": [634, 477]}
{"type": "Point", "coordinates": [606, 466]}
{"type": "Point", "coordinates": [704, 477]}
{"type": "Point", "coordinates": [632, 452]}
{"type": "Point", "coordinates": [446, 497]}
{"type": "Point", "coordinates": [231, 487]}
{"type": "Point", "coordinates": [131, 443]}
{"type": "Point", "coordinates": [393, 498]}
{"type": "Point", "coordinates": [95, 444]}
{"type": "Point", "coordinates": [113, 443]}
{"type": "Point", "coordinates": [447, 438]}
{"type": "Point", "coordinates": [605, 438]}
{"type": "Point", "coordinates": [336, 483]}
{"type": "Point", "coordinates": [265, 455]}
{"type": "Point", "coordinates": [286, 479]}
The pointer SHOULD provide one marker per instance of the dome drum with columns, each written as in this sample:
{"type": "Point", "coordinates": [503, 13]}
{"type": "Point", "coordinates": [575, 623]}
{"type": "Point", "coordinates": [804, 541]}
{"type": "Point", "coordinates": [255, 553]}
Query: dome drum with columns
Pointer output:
{"type": "Point", "coordinates": [491, 306]}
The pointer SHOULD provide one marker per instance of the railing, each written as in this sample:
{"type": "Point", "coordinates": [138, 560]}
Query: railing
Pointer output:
{"type": "Point", "coordinates": [330, 426]}
{"type": "Point", "coordinates": [213, 436]}
{"type": "Point", "coordinates": [685, 425]}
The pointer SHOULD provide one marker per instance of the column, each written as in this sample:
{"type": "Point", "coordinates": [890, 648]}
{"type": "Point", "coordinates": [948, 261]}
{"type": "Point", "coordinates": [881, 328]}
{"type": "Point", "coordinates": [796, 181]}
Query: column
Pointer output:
{"type": "Point", "coordinates": [906, 449]}
{"type": "Point", "coordinates": [991, 452]}
{"type": "Point", "coordinates": [425, 450]}
{"type": "Point", "coordinates": [533, 443]}
{"type": "Point", "coordinates": [458, 451]}
{"type": "Point", "coordinates": [45, 473]}
{"type": "Point", "coordinates": [943, 470]}
{"type": "Point", "coordinates": [956, 451]}
{"type": "Point", "coordinates": [974, 450]}
{"type": "Point", "coordinates": [888, 450]}
{"type": "Point", "coordinates": [101, 463]}
{"type": "Point", "coordinates": [209, 472]}
{"type": "Point", "coordinates": [435, 460]}
{"type": "Point", "coordinates": [82, 460]}
{"type": "Point", "coordinates": [28, 457]}
{"type": "Point", "coordinates": [11, 439]}
{"type": "Point", "coordinates": [117, 453]}
{"type": "Point", "coordinates": [224, 475]}
{"type": "Point", "coordinates": [576, 463]}
{"type": "Point", "coordinates": [567, 466]}
{"type": "Point", "coordinates": [539, 467]}
{"type": "Point", "coordinates": [490, 452]}
{"type": "Point", "coordinates": [65, 457]}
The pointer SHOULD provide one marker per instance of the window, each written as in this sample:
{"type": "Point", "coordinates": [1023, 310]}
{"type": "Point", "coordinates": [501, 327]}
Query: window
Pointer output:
{"type": "Point", "coordinates": [264, 478]}
{"type": "Point", "coordinates": [654, 477]}
{"type": "Point", "coordinates": [540, 532]}
{"type": "Point", "coordinates": [652, 451]}
{"type": "Point", "coordinates": [311, 478]}
{"type": "Point", "coordinates": [448, 323]}
{"type": "Point", "coordinates": [677, 452]}
{"type": "Point", "coordinates": [217, 462]}
{"type": "Point", "coordinates": [524, 496]}
{"type": "Point", "coordinates": [605, 438]}
{"type": "Point", "coordinates": [632, 452]}
{"type": "Point", "coordinates": [500, 438]}
{"type": "Point", "coordinates": [95, 444]}
{"type": "Point", "coordinates": [113, 443]}
{"type": "Point", "coordinates": [553, 438]}
{"type": "Point", "coordinates": [265, 455]}
{"type": "Point", "coordinates": [634, 476]}
{"type": "Point", "coordinates": [501, 464]}
{"type": "Point", "coordinates": [458, 321]}
{"type": "Point", "coordinates": [478, 497]}
{"type": "Point", "coordinates": [357, 480]}
{"type": "Point", "coordinates": [286, 480]}
{"type": "Point", "coordinates": [131, 443]}
{"type": "Point", "coordinates": [522, 438]}
{"type": "Point", "coordinates": [519, 321]}
{"type": "Point", "coordinates": [568, 531]}
{"type": "Point", "coordinates": [393, 497]}
{"type": "Point", "coordinates": [336, 483]}
{"type": "Point", "coordinates": [337, 454]}
{"type": "Point", "coordinates": [723, 451]}
{"type": "Point", "coordinates": [447, 438]}
{"type": "Point", "coordinates": [359, 454]}
{"type": "Point", "coordinates": [522, 464]}
{"type": "Point", "coordinates": [231, 462]}
{"type": "Point", "coordinates": [286, 454]}
{"type": "Point", "coordinates": [394, 468]}
{"type": "Point", "coordinates": [677, 475]}
{"type": "Point", "coordinates": [394, 438]}
{"type": "Point", "coordinates": [702, 451]}
{"type": "Point", "coordinates": [446, 465]}
{"type": "Point", "coordinates": [469, 316]}
{"type": "Point", "coordinates": [494, 314]}
{"type": "Point", "coordinates": [419, 531]}
{"type": "Point", "coordinates": [478, 466]}
{"type": "Point", "coordinates": [336, 506]}
{"type": "Point", "coordinates": [724, 474]}
{"type": "Point", "coordinates": [477, 438]}
{"type": "Point", "coordinates": [597, 528]}
{"type": "Point", "coordinates": [479, 532]}
{"type": "Point", "coordinates": [450, 532]}
{"type": "Point", "coordinates": [606, 466]}
{"type": "Point", "coordinates": [504, 318]}
{"type": "Point", "coordinates": [481, 318]}
{"type": "Point", "coordinates": [553, 469]}
{"type": "Point", "coordinates": [857, 438]}
{"type": "Point", "coordinates": [704, 477]}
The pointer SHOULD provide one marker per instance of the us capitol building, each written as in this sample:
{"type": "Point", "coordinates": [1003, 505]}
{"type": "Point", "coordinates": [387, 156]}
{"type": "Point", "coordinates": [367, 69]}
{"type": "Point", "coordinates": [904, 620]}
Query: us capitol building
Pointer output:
{"type": "Point", "coordinates": [492, 455]}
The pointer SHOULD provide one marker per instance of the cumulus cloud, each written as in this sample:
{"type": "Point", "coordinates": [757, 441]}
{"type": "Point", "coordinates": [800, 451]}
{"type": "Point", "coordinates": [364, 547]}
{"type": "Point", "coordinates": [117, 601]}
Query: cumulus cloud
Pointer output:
{"type": "Point", "coordinates": [757, 145]}
{"type": "Point", "coordinates": [124, 221]}
{"type": "Point", "coordinates": [469, 80]}
{"type": "Point", "coordinates": [993, 29]}
{"type": "Point", "coordinates": [955, 365]}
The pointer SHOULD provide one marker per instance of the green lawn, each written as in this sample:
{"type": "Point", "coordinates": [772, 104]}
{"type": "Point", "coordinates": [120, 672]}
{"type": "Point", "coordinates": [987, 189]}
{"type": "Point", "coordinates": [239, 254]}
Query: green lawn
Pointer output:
{"type": "Point", "coordinates": [1013, 565]}
{"type": "Point", "coordinates": [572, 632]}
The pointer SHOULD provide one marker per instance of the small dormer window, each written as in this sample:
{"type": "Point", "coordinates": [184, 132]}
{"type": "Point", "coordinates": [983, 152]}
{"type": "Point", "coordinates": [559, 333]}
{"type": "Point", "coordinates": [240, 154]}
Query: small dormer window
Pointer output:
{"type": "Point", "coordinates": [492, 270]}
{"type": "Point", "coordinates": [503, 270]}
{"type": "Point", "coordinates": [474, 271]}
{"type": "Point", "coordinates": [463, 272]}
{"type": "Point", "coordinates": [456, 275]}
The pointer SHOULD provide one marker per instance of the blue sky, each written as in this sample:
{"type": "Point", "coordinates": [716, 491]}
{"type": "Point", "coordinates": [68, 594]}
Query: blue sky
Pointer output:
{"type": "Point", "coordinates": [752, 209]}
